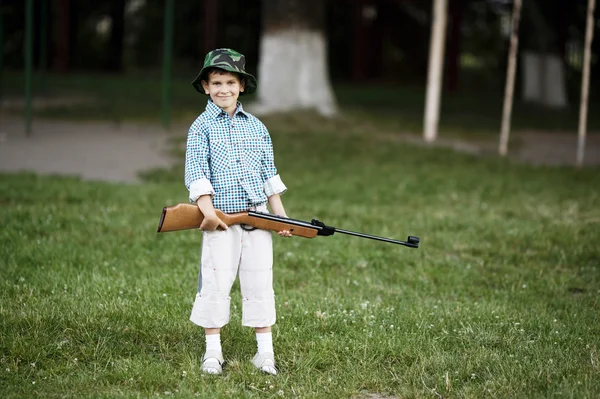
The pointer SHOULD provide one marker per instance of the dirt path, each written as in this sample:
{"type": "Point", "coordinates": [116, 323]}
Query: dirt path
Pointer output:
{"type": "Point", "coordinates": [91, 150]}
{"type": "Point", "coordinates": [527, 147]}
{"type": "Point", "coordinates": [540, 148]}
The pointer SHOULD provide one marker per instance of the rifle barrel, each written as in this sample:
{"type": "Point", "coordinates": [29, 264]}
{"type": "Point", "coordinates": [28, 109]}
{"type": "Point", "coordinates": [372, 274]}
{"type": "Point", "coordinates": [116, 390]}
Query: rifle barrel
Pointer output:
{"type": "Point", "coordinates": [372, 237]}
{"type": "Point", "coordinates": [412, 243]}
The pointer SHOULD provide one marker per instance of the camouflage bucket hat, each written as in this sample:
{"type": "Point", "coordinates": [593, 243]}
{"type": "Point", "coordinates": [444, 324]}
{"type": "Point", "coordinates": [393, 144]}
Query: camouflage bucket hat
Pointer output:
{"type": "Point", "coordinates": [230, 61]}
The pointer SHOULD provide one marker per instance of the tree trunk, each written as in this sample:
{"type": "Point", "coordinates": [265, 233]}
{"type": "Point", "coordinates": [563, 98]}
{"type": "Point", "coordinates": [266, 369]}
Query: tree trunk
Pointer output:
{"type": "Point", "coordinates": [293, 69]}
{"type": "Point", "coordinates": [114, 61]}
{"type": "Point", "coordinates": [544, 71]}
{"type": "Point", "coordinates": [211, 16]}
{"type": "Point", "coordinates": [510, 79]}
{"type": "Point", "coordinates": [585, 82]}
{"type": "Point", "coordinates": [61, 61]}
{"type": "Point", "coordinates": [456, 8]}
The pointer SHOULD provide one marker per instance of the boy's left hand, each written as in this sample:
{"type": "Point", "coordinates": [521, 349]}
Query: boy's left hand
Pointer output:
{"type": "Point", "coordinates": [284, 233]}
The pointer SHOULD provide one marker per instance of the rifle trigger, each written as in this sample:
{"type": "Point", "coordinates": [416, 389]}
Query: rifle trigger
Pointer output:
{"type": "Point", "coordinates": [325, 230]}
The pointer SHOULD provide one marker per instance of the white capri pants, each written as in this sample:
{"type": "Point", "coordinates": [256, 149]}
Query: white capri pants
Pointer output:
{"type": "Point", "coordinates": [224, 253]}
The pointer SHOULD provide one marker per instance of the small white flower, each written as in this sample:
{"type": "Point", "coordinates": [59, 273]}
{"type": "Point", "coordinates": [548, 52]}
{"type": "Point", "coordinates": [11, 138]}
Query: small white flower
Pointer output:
{"type": "Point", "coordinates": [524, 285]}
{"type": "Point", "coordinates": [33, 382]}
{"type": "Point", "coordinates": [164, 295]}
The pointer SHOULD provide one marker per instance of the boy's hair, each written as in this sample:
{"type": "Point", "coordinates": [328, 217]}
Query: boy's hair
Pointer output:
{"type": "Point", "coordinates": [219, 71]}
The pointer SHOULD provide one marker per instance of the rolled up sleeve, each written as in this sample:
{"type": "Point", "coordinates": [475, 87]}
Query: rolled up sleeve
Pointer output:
{"type": "Point", "coordinates": [274, 186]}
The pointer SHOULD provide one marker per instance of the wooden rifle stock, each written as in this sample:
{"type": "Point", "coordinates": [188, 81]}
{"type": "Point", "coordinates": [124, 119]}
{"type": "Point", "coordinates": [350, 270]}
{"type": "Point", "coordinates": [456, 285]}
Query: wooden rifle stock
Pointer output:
{"type": "Point", "coordinates": [188, 216]}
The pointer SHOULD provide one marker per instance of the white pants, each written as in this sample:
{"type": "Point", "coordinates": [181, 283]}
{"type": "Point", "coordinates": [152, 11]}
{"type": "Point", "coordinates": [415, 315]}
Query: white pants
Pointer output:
{"type": "Point", "coordinates": [223, 254]}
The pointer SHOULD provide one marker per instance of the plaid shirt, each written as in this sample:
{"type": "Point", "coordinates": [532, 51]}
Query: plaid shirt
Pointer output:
{"type": "Point", "coordinates": [231, 159]}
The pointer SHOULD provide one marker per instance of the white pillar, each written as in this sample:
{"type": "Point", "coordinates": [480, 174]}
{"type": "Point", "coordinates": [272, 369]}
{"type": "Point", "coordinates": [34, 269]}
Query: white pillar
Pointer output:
{"type": "Point", "coordinates": [510, 79]}
{"type": "Point", "coordinates": [585, 82]}
{"type": "Point", "coordinates": [435, 73]}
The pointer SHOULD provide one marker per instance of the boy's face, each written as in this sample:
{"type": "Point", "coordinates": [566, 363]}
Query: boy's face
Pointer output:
{"type": "Point", "coordinates": [224, 88]}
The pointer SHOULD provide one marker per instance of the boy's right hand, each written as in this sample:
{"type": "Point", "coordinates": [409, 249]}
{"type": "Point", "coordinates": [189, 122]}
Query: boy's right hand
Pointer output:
{"type": "Point", "coordinates": [212, 222]}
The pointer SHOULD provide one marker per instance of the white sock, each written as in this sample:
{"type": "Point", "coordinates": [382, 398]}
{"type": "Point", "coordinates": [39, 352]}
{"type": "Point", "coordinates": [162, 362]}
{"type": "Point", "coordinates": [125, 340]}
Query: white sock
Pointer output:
{"type": "Point", "coordinates": [213, 342]}
{"type": "Point", "coordinates": [265, 342]}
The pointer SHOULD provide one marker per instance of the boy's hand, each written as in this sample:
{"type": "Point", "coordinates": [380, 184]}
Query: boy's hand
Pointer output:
{"type": "Point", "coordinates": [284, 233]}
{"type": "Point", "coordinates": [212, 222]}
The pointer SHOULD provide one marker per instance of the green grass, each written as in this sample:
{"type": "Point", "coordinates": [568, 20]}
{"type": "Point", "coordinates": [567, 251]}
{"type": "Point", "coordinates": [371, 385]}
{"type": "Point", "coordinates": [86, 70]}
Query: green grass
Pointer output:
{"type": "Point", "coordinates": [470, 113]}
{"type": "Point", "coordinates": [501, 300]}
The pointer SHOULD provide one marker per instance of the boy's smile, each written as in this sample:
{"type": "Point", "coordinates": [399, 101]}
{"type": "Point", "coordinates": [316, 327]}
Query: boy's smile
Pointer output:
{"type": "Point", "coordinates": [224, 89]}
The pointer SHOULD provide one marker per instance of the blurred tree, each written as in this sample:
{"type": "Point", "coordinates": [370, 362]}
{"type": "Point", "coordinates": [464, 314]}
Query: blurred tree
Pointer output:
{"type": "Point", "coordinates": [543, 61]}
{"type": "Point", "coordinates": [293, 70]}
{"type": "Point", "coordinates": [114, 59]}
{"type": "Point", "coordinates": [63, 36]}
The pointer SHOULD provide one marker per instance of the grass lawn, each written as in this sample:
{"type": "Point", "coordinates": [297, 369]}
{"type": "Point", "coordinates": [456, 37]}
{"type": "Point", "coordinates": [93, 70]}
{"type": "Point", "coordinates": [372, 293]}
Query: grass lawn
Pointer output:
{"type": "Point", "coordinates": [502, 299]}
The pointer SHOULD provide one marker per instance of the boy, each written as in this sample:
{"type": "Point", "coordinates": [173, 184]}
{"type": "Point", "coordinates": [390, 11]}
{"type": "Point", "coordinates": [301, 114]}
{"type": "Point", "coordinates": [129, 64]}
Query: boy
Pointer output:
{"type": "Point", "coordinates": [229, 166]}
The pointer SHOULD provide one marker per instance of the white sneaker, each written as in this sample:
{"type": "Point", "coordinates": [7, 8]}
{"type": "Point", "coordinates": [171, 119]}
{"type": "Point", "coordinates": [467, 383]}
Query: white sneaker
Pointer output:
{"type": "Point", "coordinates": [212, 362]}
{"type": "Point", "coordinates": [265, 362]}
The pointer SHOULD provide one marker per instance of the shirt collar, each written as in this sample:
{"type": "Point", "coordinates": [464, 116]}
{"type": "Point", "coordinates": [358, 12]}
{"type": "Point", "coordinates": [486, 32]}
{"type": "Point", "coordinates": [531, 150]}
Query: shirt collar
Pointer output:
{"type": "Point", "coordinates": [215, 112]}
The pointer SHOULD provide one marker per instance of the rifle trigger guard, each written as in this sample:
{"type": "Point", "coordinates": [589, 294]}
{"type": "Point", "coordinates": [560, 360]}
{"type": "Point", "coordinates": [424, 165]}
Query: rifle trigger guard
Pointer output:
{"type": "Point", "coordinates": [247, 227]}
{"type": "Point", "coordinates": [325, 230]}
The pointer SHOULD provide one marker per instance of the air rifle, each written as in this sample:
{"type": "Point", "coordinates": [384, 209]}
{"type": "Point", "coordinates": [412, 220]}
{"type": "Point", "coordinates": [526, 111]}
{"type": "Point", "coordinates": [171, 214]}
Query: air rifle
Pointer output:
{"type": "Point", "coordinates": [188, 216]}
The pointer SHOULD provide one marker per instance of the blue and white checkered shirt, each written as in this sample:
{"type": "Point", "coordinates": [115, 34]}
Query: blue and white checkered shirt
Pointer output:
{"type": "Point", "coordinates": [231, 159]}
